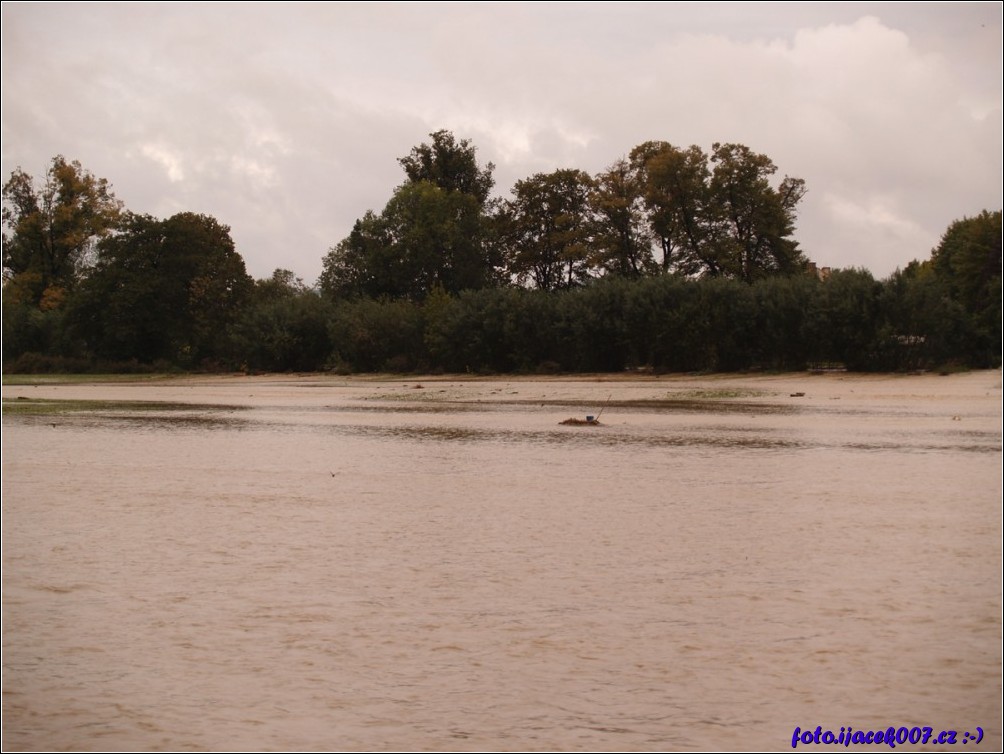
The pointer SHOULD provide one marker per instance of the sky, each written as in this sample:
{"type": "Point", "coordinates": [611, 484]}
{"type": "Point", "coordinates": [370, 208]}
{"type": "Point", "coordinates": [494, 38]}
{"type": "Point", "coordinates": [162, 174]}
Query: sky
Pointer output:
{"type": "Point", "coordinates": [285, 121]}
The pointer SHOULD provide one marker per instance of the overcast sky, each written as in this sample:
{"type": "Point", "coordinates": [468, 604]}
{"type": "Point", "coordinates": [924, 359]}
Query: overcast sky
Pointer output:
{"type": "Point", "coordinates": [285, 121]}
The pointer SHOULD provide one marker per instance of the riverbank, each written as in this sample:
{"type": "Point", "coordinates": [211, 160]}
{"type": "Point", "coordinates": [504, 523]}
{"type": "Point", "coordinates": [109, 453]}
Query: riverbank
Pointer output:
{"type": "Point", "coordinates": [590, 390]}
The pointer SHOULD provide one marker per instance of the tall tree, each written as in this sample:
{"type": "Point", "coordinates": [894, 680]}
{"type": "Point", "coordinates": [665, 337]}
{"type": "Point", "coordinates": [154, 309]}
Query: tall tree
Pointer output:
{"type": "Point", "coordinates": [425, 238]}
{"type": "Point", "coordinates": [451, 165]}
{"type": "Point", "coordinates": [754, 221]}
{"type": "Point", "coordinates": [676, 197]}
{"type": "Point", "coordinates": [622, 238]}
{"type": "Point", "coordinates": [436, 234]}
{"type": "Point", "coordinates": [968, 261]}
{"type": "Point", "coordinates": [433, 233]}
{"type": "Point", "coordinates": [163, 289]}
{"type": "Point", "coordinates": [359, 264]}
{"type": "Point", "coordinates": [719, 215]}
{"type": "Point", "coordinates": [50, 230]}
{"type": "Point", "coordinates": [549, 229]}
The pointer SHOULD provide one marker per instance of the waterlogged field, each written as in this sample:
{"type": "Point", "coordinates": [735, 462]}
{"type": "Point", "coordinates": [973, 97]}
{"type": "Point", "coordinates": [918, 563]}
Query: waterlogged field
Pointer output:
{"type": "Point", "coordinates": [438, 564]}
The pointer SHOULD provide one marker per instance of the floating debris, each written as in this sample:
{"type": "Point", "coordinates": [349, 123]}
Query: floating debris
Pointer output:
{"type": "Point", "coordinates": [587, 422]}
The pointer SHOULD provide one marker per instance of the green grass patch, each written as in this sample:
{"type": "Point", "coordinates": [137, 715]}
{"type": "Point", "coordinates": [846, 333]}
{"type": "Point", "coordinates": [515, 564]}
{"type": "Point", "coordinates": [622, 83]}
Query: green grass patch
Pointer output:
{"type": "Point", "coordinates": [719, 394]}
{"type": "Point", "coordinates": [81, 379]}
{"type": "Point", "coordinates": [21, 406]}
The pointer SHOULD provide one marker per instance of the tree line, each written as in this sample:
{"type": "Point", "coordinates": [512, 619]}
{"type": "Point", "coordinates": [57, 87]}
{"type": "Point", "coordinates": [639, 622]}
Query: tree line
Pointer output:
{"type": "Point", "coordinates": [661, 210]}
{"type": "Point", "coordinates": [671, 259]}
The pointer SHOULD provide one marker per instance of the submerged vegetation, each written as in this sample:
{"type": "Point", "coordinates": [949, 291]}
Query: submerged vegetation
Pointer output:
{"type": "Point", "coordinates": [670, 260]}
{"type": "Point", "coordinates": [24, 406]}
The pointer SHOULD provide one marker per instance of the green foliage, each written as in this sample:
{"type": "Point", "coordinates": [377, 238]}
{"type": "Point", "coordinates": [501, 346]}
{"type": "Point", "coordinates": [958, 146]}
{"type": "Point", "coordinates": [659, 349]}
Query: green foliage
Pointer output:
{"type": "Point", "coordinates": [681, 324]}
{"type": "Point", "coordinates": [781, 335]}
{"type": "Point", "coordinates": [284, 327]}
{"type": "Point", "coordinates": [433, 233]}
{"type": "Point", "coordinates": [968, 262]}
{"type": "Point", "coordinates": [714, 215]}
{"type": "Point", "coordinates": [946, 311]}
{"type": "Point", "coordinates": [374, 336]}
{"type": "Point", "coordinates": [677, 201]}
{"type": "Point", "coordinates": [671, 260]}
{"type": "Point", "coordinates": [591, 334]}
{"type": "Point", "coordinates": [451, 166]}
{"type": "Point", "coordinates": [163, 289]}
{"type": "Point", "coordinates": [622, 239]}
{"type": "Point", "coordinates": [549, 226]}
{"type": "Point", "coordinates": [356, 266]}
{"type": "Point", "coordinates": [28, 329]}
{"type": "Point", "coordinates": [844, 318]}
{"type": "Point", "coordinates": [468, 332]}
{"type": "Point", "coordinates": [719, 215]}
{"type": "Point", "coordinates": [753, 222]}
{"type": "Point", "coordinates": [425, 238]}
{"type": "Point", "coordinates": [922, 326]}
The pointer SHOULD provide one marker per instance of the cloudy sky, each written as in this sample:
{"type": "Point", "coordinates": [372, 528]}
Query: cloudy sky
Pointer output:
{"type": "Point", "coordinates": [285, 121]}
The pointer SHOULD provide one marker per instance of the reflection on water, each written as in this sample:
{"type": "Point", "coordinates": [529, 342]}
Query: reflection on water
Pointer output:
{"type": "Point", "coordinates": [23, 406]}
{"type": "Point", "coordinates": [310, 573]}
{"type": "Point", "coordinates": [733, 437]}
{"type": "Point", "coordinates": [165, 415]}
{"type": "Point", "coordinates": [584, 436]}
{"type": "Point", "coordinates": [142, 421]}
{"type": "Point", "coordinates": [652, 405]}
{"type": "Point", "coordinates": [98, 413]}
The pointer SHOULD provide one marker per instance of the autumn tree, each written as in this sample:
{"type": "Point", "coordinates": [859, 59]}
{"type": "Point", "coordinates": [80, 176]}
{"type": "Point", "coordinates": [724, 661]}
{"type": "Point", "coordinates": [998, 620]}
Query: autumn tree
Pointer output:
{"type": "Point", "coordinates": [622, 239]}
{"type": "Point", "coordinates": [718, 214]}
{"type": "Point", "coordinates": [676, 197]}
{"type": "Point", "coordinates": [752, 222]}
{"type": "Point", "coordinates": [548, 229]}
{"type": "Point", "coordinates": [50, 230]}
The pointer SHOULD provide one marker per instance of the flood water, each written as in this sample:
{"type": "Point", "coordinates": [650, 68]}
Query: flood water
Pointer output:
{"type": "Point", "coordinates": [323, 563]}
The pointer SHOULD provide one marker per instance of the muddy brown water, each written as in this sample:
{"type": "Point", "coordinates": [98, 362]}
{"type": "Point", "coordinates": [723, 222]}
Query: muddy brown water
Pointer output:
{"type": "Point", "coordinates": [331, 563]}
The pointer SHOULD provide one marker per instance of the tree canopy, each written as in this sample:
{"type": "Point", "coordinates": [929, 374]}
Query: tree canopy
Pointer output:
{"type": "Point", "coordinates": [968, 262]}
{"type": "Point", "coordinates": [662, 210]}
{"type": "Point", "coordinates": [623, 239]}
{"type": "Point", "coordinates": [50, 230]}
{"type": "Point", "coordinates": [549, 229]}
{"type": "Point", "coordinates": [670, 259]}
{"type": "Point", "coordinates": [163, 289]}
{"type": "Point", "coordinates": [432, 233]}
{"type": "Point", "coordinates": [451, 165]}
{"type": "Point", "coordinates": [718, 215]}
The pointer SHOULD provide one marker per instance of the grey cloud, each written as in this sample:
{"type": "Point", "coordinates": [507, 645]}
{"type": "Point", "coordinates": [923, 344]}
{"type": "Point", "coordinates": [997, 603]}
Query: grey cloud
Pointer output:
{"type": "Point", "coordinates": [285, 121]}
